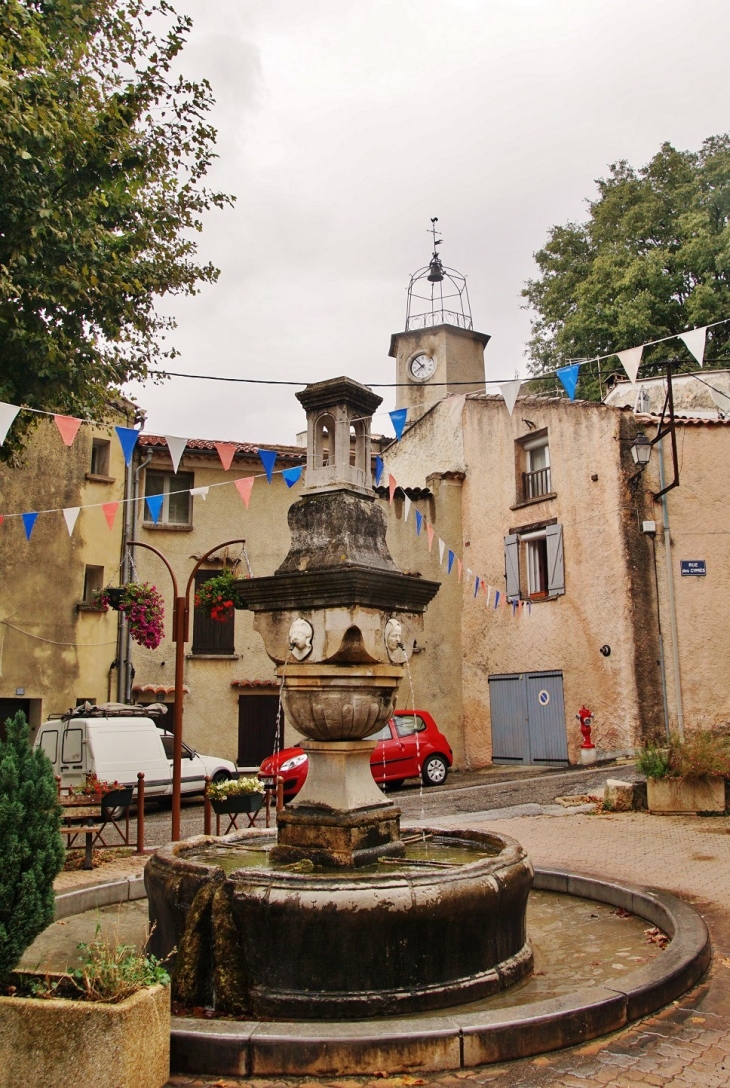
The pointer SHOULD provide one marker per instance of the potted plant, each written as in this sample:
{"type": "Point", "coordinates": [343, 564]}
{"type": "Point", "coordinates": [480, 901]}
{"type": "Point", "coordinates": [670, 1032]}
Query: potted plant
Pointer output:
{"type": "Point", "coordinates": [216, 597]}
{"type": "Point", "coordinates": [143, 606]}
{"type": "Point", "coordinates": [245, 794]}
{"type": "Point", "coordinates": [113, 1010]}
{"type": "Point", "coordinates": [687, 775]}
{"type": "Point", "coordinates": [114, 796]}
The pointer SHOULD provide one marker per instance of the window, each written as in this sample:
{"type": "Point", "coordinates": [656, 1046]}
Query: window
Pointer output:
{"type": "Point", "coordinates": [100, 457]}
{"type": "Point", "coordinates": [93, 582]}
{"type": "Point", "coordinates": [71, 746]}
{"type": "Point", "coordinates": [49, 744]}
{"type": "Point", "coordinates": [533, 465]}
{"type": "Point", "coordinates": [408, 724]}
{"type": "Point", "coordinates": [212, 636]}
{"type": "Point", "coordinates": [175, 489]}
{"type": "Point", "coordinates": [534, 565]}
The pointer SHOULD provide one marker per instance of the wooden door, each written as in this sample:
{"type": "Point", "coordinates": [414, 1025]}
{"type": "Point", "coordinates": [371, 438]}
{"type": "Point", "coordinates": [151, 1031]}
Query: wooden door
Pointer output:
{"type": "Point", "coordinates": [257, 727]}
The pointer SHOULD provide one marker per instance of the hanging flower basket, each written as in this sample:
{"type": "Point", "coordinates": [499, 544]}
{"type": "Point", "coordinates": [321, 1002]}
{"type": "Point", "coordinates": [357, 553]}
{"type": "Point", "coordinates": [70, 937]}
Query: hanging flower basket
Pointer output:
{"type": "Point", "coordinates": [143, 606]}
{"type": "Point", "coordinates": [217, 597]}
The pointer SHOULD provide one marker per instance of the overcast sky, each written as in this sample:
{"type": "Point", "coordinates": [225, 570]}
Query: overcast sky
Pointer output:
{"type": "Point", "coordinates": [344, 125]}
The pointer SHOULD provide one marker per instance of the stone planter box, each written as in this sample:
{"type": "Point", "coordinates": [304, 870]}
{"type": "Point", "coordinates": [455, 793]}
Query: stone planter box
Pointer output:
{"type": "Point", "coordinates": [63, 1044]}
{"type": "Point", "coordinates": [674, 795]}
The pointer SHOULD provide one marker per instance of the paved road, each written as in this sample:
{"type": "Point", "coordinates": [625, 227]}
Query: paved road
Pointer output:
{"type": "Point", "coordinates": [497, 788]}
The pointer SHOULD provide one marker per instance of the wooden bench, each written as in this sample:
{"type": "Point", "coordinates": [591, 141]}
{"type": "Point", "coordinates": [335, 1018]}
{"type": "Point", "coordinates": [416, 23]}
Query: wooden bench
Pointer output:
{"type": "Point", "coordinates": [91, 816]}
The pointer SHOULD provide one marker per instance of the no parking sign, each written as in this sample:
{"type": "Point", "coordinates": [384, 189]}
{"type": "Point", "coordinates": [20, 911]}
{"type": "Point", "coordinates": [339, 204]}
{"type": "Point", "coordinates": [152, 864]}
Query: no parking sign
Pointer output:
{"type": "Point", "coordinates": [543, 697]}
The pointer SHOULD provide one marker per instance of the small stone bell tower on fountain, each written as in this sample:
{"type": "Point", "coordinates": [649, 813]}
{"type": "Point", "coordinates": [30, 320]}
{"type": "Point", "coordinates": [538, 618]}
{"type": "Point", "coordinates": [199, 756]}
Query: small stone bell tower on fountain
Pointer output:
{"type": "Point", "coordinates": [339, 620]}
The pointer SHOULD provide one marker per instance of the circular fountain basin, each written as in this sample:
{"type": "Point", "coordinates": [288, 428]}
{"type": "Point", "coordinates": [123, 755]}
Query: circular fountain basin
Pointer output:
{"type": "Point", "coordinates": [442, 926]}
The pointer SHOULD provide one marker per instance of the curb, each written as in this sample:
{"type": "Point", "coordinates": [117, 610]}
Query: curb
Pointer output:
{"type": "Point", "coordinates": [458, 1040]}
{"type": "Point", "coordinates": [99, 895]}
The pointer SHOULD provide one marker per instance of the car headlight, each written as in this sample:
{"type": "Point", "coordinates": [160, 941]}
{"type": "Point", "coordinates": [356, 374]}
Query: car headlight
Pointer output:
{"type": "Point", "coordinates": [295, 761]}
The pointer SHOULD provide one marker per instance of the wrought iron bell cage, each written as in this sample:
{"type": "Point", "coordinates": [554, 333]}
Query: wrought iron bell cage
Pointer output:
{"type": "Point", "coordinates": [437, 294]}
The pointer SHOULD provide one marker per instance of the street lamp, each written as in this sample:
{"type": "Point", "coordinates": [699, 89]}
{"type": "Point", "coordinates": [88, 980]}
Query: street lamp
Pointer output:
{"type": "Point", "coordinates": [641, 450]}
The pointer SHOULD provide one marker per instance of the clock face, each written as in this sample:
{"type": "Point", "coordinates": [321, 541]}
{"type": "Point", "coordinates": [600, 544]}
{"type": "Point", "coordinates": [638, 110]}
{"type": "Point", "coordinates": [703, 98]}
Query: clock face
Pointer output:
{"type": "Point", "coordinates": [422, 367]}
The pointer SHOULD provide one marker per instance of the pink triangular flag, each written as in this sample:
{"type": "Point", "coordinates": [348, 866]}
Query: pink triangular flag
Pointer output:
{"type": "Point", "coordinates": [392, 484]}
{"type": "Point", "coordinates": [68, 426]}
{"type": "Point", "coordinates": [176, 446]}
{"type": "Point", "coordinates": [430, 532]}
{"type": "Point", "coordinates": [110, 512]}
{"type": "Point", "coordinates": [631, 360]}
{"type": "Point", "coordinates": [245, 487]}
{"type": "Point", "coordinates": [226, 452]}
{"type": "Point", "coordinates": [70, 514]}
{"type": "Point", "coordinates": [459, 566]}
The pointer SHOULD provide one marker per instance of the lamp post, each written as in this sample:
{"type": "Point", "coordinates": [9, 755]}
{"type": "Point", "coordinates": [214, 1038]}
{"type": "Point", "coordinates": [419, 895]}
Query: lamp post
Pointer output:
{"type": "Point", "coordinates": [641, 450]}
{"type": "Point", "coordinates": [180, 626]}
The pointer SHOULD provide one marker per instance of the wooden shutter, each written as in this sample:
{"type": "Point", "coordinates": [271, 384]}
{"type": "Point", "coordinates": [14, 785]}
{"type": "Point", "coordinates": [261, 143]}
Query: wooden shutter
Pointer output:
{"type": "Point", "coordinates": [512, 565]}
{"type": "Point", "coordinates": [556, 564]}
{"type": "Point", "coordinates": [212, 636]}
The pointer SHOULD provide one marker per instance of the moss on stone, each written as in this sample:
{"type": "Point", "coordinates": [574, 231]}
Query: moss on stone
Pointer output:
{"type": "Point", "coordinates": [230, 981]}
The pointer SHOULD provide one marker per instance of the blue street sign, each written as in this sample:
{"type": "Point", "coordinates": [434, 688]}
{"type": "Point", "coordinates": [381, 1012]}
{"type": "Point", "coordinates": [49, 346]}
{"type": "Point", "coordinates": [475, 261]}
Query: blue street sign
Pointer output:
{"type": "Point", "coordinates": [693, 566]}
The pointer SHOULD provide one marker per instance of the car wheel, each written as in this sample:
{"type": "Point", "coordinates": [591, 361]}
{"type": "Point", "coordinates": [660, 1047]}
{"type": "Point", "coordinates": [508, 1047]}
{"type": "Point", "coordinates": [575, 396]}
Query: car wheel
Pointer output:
{"type": "Point", "coordinates": [434, 770]}
{"type": "Point", "coordinates": [113, 813]}
{"type": "Point", "coordinates": [221, 776]}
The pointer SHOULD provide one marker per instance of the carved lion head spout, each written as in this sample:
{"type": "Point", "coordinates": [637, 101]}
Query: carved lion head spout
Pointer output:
{"type": "Point", "coordinates": [300, 639]}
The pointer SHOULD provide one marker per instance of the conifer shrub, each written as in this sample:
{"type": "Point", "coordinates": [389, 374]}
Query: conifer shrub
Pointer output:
{"type": "Point", "coordinates": [31, 850]}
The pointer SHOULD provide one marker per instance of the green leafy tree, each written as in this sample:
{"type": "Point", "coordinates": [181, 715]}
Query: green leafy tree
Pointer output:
{"type": "Point", "coordinates": [102, 154]}
{"type": "Point", "coordinates": [30, 845]}
{"type": "Point", "coordinates": [653, 259]}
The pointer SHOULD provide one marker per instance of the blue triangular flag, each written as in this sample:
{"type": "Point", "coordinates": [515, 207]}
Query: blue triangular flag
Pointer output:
{"type": "Point", "coordinates": [514, 606]}
{"type": "Point", "coordinates": [267, 460]}
{"type": "Point", "coordinates": [497, 595]}
{"type": "Point", "coordinates": [569, 377]}
{"type": "Point", "coordinates": [419, 523]}
{"type": "Point", "coordinates": [291, 475]}
{"type": "Point", "coordinates": [476, 587]}
{"type": "Point", "coordinates": [128, 439]}
{"type": "Point", "coordinates": [450, 561]}
{"type": "Point", "coordinates": [378, 470]}
{"type": "Point", "coordinates": [154, 503]}
{"type": "Point", "coordinates": [398, 419]}
{"type": "Point", "coordinates": [29, 522]}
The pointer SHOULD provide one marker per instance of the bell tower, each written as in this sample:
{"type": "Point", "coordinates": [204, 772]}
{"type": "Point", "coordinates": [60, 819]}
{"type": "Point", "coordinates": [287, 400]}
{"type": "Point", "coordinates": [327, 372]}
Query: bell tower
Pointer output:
{"type": "Point", "coordinates": [439, 353]}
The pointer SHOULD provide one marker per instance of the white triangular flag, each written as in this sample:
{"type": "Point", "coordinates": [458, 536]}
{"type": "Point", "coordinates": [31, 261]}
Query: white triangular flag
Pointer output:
{"type": "Point", "coordinates": [406, 508]}
{"type": "Point", "coordinates": [8, 412]}
{"type": "Point", "coordinates": [722, 400]}
{"type": "Point", "coordinates": [442, 549]}
{"type": "Point", "coordinates": [695, 341]}
{"type": "Point", "coordinates": [456, 406]}
{"type": "Point", "coordinates": [202, 491]}
{"type": "Point", "coordinates": [70, 514]}
{"type": "Point", "coordinates": [176, 447]}
{"type": "Point", "coordinates": [509, 391]}
{"type": "Point", "coordinates": [631, 360]}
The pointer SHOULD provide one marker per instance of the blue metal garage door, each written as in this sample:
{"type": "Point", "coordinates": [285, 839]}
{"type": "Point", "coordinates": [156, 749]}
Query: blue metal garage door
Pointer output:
{"type": "Point", "coordinates": [528, 718]}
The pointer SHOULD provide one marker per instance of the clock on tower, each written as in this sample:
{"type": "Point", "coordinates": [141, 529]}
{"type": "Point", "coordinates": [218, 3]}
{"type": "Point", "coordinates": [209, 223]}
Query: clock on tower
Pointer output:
{"type": "Point", "coordinates": [438, 353]}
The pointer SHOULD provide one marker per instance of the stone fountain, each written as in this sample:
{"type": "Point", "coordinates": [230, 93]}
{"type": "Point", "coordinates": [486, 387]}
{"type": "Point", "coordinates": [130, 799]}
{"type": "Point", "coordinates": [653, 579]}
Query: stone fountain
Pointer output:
{"type": "Point", "coordinates": [334, 920]}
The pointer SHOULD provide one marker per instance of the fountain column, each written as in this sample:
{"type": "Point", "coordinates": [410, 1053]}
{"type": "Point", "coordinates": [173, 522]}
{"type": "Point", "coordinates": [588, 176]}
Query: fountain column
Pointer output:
{"type": "Point", "coordinates": [339, 619]}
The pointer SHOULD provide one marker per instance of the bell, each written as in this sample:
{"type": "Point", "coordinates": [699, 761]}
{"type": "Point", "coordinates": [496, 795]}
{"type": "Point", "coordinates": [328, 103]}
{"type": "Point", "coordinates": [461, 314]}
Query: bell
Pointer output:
{"type": "Point", "coordinates": [435, 271]}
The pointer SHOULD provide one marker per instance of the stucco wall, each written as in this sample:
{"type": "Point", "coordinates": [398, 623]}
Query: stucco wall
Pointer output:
{"type": "Point", "coordinates": [211, 707]}
{"type": "Point", "coordinates": [55, 652]}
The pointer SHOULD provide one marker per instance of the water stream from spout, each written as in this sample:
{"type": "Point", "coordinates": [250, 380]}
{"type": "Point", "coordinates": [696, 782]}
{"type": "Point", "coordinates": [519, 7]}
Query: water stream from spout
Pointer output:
{"type": "Point", "coordinates": [418, 742]}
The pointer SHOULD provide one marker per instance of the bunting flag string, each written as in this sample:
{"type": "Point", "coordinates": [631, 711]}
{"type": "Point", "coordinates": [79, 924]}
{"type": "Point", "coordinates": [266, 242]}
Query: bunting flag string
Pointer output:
{"type": "Point", "coordinates": [128, 439]}
{"type": "Point", "coordinates": [430, 533]}
{"type": "Point", "coordinates": [392, 484]}
{"type": "Point", "coordinates": [154, 504]}
{"type": "Point", "coordinates": [226, 452]}
{"type": "Point", "coordinates": [8, 412]}
{"type": "Point", "coordinates": [68, 427]}
{"type": "Point", "coordinates": [510, 391]}
{"type": "Point", "coordinates": [398, 419]}
{"type": "Point", "coordinates": [442, 549]}
{"type": "Point", "coordinates": [291, 475]}
{"type": "Point", "coordinates": [29, 521]}
{"type": "Point", "coordinates": [378, 470]}
{"type": "Point", "coordinates": [70, 515]}
{"type": "Point", "coordinates": [419, 522]}
{"type": "Point", "coordinates": [244, 486]}
{"type": "Point", "coordinates": [267, 458]}
{"type": "Point", "coordinates": [176, 446]}
{"type": "Point", "coordinates": [630, 360]}
{"type": "Point", "coordinates": [110, 512]}
{"type": "Point", "coordinates": [695, 342]}
{"type": "Point", "coordinates": [202, 491]}
{"type": "Point", "coordinates": [450, 562]}
{"type": "Point", "coordinates": [406, 508]}
{"type": "Point", "coordinates": [568, 376]}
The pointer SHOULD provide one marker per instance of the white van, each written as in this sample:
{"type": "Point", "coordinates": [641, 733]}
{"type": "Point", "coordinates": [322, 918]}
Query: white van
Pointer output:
{"type": "Point", "coordinates": [115, 742]}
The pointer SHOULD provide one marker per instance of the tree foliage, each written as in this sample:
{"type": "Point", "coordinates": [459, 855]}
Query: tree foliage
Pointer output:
{"type": "Point", "coordinates": [30, 845]}
{"type": "Point", "coordinates": [653, 259]}
{"type": "Point", "coordinates": [102, 155]}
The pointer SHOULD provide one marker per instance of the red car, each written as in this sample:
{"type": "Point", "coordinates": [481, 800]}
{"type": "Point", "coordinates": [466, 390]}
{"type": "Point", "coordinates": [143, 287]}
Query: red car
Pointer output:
{"type": "Point", "coordinates": [410, 745]}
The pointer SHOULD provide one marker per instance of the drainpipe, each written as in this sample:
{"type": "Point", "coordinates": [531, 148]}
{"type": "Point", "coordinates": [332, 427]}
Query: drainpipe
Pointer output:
{"type": "Point", "coordinates": [126, 674]}
{"type": "Point", "coordinates": [672, 603]}
{"type": "Point", "coordinates": [662, 662]}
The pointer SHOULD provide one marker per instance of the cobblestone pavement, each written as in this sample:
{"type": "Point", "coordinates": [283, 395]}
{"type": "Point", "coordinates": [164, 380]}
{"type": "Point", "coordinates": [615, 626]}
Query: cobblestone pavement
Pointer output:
{"type": "Point", "coordinates": [686, 1045]}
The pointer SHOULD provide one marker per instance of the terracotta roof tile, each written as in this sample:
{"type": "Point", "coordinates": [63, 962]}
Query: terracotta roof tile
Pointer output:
{"type": "Point", "coordinates": [206, 445]}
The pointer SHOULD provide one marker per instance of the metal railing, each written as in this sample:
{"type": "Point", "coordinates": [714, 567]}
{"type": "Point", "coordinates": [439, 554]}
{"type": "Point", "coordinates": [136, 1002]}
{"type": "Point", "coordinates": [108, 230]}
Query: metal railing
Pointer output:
{"type": "Point", "coordinates": [535, 484]}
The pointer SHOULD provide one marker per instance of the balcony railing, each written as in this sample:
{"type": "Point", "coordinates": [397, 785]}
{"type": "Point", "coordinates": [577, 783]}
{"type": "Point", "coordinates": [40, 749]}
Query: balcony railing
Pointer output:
{"type": "Point", "coordinates": [535, 484]}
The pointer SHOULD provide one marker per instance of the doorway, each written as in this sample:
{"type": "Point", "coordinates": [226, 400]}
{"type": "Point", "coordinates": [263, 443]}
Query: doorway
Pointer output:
{"type": "Point", "coordinates": [256, 728]}
{"type": "Point", "coordinates": [528, 718]}
{"type": "Point", "coordinates": [9, 708]}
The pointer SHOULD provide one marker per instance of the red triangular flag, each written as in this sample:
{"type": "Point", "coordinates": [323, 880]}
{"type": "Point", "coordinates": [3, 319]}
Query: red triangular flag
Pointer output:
{"type": "Point", "coordinates": [245, 487]}
{"type": "Point", "coordinates": [430, 532]}
{"type": "Point", "coordinates": [2, 518]}
{"type": "Point", "coordinates": [110, 512]}
{"type": "Point", "coordinates": [226, 452]}
{"type": "Point", "coordinates": [68, 426]}
{"type": "Point", "coordinates": [392, 484]}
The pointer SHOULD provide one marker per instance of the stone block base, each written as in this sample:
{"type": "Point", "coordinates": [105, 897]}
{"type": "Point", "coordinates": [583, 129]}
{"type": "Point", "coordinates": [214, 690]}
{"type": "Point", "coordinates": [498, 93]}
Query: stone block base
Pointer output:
{"type": "Point", "coordinates": [338, 839]}
{"type": "Point", "coordinates": [675, 795]}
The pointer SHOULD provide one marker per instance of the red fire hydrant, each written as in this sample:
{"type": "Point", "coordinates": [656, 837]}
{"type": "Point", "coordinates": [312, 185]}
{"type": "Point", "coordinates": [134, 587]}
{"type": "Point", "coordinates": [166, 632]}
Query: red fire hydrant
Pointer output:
{"type": "Point", "coordinates": [585, 717]}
